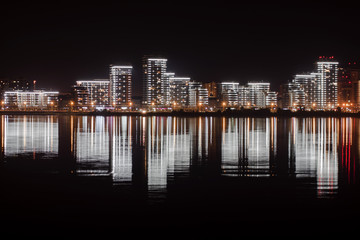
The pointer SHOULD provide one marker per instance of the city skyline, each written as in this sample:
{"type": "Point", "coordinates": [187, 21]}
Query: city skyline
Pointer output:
{"type": "Point", "coordinates": [245, 42]}
{"type": "Point", "coordinates": [326, 87]}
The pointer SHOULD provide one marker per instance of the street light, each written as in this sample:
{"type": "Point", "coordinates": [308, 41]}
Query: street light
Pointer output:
{"type": "Point", "coordinates": [152, 106]}
{"type": "Point", "coordinates": [52, 105]}
{"type": "Point", "coordinates": [71, 105]}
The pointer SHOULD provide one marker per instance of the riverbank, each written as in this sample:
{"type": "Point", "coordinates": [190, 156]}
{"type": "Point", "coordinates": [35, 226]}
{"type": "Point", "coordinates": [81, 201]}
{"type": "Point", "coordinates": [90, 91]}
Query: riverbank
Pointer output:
{"type": "Point", "coordinates": [228, 113]}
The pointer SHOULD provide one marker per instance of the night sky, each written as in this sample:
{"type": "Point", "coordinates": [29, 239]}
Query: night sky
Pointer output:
{"type": "Point", "coordinates": [57, 44]}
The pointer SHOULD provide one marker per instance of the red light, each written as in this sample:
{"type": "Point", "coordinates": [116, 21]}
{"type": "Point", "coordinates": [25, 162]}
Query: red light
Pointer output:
{"type": "Point", "coordinates": [320, 57]}
{"type": "Point", "coordinates": [349, 82]}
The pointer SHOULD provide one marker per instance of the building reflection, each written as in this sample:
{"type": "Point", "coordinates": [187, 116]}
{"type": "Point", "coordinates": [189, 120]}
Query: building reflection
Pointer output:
{"type": "Point", "coordinates": [348, 148]}
{"type": "Point", "coordinates": [297, 147]}
{"type": "Point", "coordinates": [153, 152]}
{"type": "Point", "coordinates": [29, 135]}
{"type": "Point", "coordinates": [92, 146]}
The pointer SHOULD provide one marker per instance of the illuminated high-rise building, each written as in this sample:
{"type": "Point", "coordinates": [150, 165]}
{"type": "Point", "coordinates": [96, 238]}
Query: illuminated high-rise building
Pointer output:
{"type": "Point", "coordinates": [81, 96]}
{"type": "Point", "coordinates": [166, 92]}
{"type": "Point", "coordinates": [198, 96]}
{"type": "Point", "coordinates": [257, 93]}
{"type": "Point", "coordinates": [155, 81]}
{"type": "Point", "coordinates": [307, 83]}
{"type": "Point", "coordinates": [120, 85]}
{"type": "Point", "coordinates": [179, 91]}
{"type": "Point", "coordinates": [229, 93]}
{"type": "Point", "coordinates": [244, 96]}
{"type": "Point", "coordinates": [326, 84]}
{"type": "Point", "coordinates": [271, 99]}
{"type": "Point", "coordinates": [96, 93]}
{"type": "Point", "coordinates": [292, 96]}
{"type": "Point", "coordinates": [349, 86]}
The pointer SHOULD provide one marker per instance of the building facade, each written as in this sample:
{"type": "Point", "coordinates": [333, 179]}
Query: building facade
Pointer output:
{"type": "Point", "coordinates": [92, 93]}
{"type": "Point", "coordinates": [28, 100]}
{"type": "Point", "coordinates": [120, 89]}
{"type": "Point", "coordinates": [198, 96]}
{"type": "Point", "coordinates": [257, 93]}
{"type": "Point", "coordinates": [155, 83]}
{"type": "Point", "coordinates": [348, 86]}
{"type": "Point", "coordinates": [326, 84]}
{"type": "Point", "coordinates": [179, 91]}
{"type": "Point", "coordinates": [167, 97]}
{"type": "Point", "coordinates": [244, 96]}
{"type": "Point", "coordinates": [229, 93]}
{"type": "Point", "coordinates": [271, 99]}
{"type": "Point", "coordinates": [307, 83]}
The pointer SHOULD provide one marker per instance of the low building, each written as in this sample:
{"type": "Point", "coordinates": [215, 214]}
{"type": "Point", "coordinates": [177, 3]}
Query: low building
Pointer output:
{"type": "Point", "coordinates": [198, 96]}
{"type": "Point", "coordinates": [229, 92]}
{"type": "Point", "coordinates": [97, 91]}
{"type": "Point", "coordinates": [38, 99]}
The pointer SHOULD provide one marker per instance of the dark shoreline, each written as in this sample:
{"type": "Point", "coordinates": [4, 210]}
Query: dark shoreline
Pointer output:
{"type": "Point", "coordinates": [241, 113]}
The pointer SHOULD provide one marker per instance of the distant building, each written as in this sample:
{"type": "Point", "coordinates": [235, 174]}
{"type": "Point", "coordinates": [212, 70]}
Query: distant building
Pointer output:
{"type": "Point", "coordinates": [307, 83]}
{"type": "Point", "coordinates": [326, 84]}
{"type": "Point", "coordinates": [271, 99]}
{"type": "Point", "coordinates": [120, 86]}
{"type": "Point", "coordinates": [168, 90]}
{"type": "Point", "coordinates": [15, 84]}
{"type": "Point", "coordinates": [349, 86]}
{"type": "Point", "coordinates": [198, 96]}
{"type": "Point", "coordinates": [229, 93]}
{"type": "Point", "coordinates": [81, 96]}
{"type": "Point", "coordinates": [292, 96]}
{"type": "Point", "coordinates": [65, 100]}
{"type": "Point", "coordinates": [179, 91]}
{"type": "Point", "coordinates": [212, 89]}
{"type": "Point", "coordinates": [257, 93]}
{"type": "Point", "coordinates": [155, 83]}
{"type": "Point", "coordinates": [92, 93]}
{"type": "Point", "coordinates": [37, 99]}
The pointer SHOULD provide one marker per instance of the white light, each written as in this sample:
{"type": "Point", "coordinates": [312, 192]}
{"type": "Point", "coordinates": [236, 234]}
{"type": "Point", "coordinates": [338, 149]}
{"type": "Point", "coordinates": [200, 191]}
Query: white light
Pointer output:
{"type": "Point", "coordinates": [92, 81]}
{"type": "Point", "coordinates": [157, 59]}
{"type": "Point", "coordinates": [121, 67]}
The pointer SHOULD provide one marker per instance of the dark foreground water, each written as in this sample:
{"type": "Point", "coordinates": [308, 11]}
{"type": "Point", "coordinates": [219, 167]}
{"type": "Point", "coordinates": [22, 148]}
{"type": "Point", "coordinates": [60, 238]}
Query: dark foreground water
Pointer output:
{"type": "Point", "coordinates": [170, 177]}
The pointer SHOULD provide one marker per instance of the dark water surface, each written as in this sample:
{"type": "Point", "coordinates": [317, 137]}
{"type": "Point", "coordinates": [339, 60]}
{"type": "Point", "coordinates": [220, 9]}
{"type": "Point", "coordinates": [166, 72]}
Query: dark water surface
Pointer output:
{"type": "Point", "coordinates": [169, 177]}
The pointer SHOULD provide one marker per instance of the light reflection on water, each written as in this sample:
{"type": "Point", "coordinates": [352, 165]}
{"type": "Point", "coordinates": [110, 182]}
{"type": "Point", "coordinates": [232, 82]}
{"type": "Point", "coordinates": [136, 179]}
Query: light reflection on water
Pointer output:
{"type": "Point", "coordinates": [154, 151]}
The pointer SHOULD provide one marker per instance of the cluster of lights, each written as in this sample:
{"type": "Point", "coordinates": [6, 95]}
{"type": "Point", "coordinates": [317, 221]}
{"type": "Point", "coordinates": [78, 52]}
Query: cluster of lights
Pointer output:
{"type": "Point", "coordinates": [324, 57]}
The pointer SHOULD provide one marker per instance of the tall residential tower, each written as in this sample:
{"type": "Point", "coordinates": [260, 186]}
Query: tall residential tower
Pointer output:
{"type": "Point", "coordinates": [155, 83]}
{"type": "Point", "coordinates": [326, 86]}
{"type": "Point", "coordinates": [120, 85]}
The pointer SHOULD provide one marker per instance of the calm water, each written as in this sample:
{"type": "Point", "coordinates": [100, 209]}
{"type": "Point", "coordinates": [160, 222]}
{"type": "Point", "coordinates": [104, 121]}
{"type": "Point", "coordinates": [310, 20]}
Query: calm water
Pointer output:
{"type": "Point", "coordinates": [182, 173]}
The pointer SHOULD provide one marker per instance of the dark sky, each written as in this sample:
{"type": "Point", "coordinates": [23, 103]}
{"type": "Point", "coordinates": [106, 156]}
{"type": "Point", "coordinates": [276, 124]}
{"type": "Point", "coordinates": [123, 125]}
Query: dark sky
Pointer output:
{"type": "Point", "coordinates": [57, 44]}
